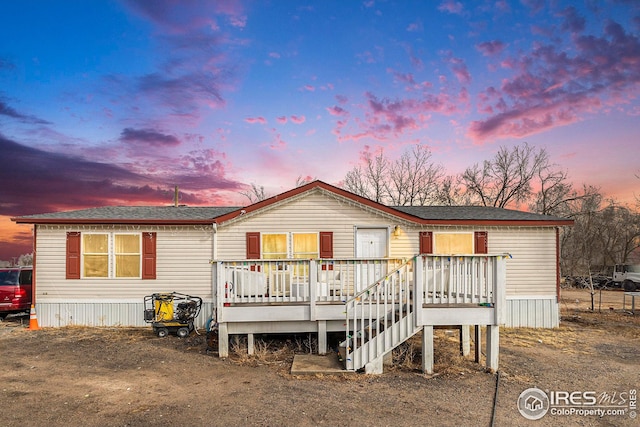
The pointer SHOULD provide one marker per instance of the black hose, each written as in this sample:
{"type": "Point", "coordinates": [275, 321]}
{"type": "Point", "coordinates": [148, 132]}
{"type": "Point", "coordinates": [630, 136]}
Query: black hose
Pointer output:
{"type": "Point", "coordinates": [495, 400]}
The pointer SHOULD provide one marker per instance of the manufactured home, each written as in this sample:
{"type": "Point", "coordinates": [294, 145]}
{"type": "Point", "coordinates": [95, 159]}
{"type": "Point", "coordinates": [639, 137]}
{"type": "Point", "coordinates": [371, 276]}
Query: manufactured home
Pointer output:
{"type": "Point", "coordinates": [315, 259]}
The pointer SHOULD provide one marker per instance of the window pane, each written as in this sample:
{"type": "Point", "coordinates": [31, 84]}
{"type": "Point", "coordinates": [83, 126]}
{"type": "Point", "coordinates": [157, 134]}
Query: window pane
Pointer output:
{"type": "Point", "coordinates": [305, 245]}
{"type": "Point", "coordinates": [127, 255]}
{"type": "Point", "coordinates": [127, 243]}
{"type": "Point", "coordinates": [274, 246]}
{"type": "Point", "coordinates": [454, 243]}
{"type": "Point", "coordinates": [95, 248]}
{"type": "Point", "coordinates": [95, 243]}
{"type": "Point", "coordinates": [127, 266]}
{"type": "Point", "coordinates": [96, 265]}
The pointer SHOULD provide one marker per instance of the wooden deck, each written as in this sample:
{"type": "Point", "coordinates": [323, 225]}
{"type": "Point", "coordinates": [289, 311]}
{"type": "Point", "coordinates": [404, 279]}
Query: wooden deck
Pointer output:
{"type": "Point", "coordinates": [378, 303]}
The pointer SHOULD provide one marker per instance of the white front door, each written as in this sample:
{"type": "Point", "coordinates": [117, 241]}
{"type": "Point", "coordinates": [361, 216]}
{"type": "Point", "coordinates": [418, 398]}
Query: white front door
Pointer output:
{"type": "Point", "coordinates": [371, 242]}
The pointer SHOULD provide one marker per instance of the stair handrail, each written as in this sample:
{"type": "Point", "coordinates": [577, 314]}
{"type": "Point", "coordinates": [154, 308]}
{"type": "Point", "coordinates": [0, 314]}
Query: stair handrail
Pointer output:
{"type": "Point", "coordinates": [357, 299]}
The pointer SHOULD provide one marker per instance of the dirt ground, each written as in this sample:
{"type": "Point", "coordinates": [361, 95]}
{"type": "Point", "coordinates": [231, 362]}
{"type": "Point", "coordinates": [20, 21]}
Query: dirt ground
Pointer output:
{"type": "Point", "coordinates": [129, 377]}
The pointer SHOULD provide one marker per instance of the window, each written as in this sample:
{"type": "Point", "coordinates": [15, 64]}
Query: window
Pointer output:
{"type": "Point", "coordinates": [95, 255]}
{"type": "Point", "coordinates": [458, 243]}
{"type": "Point", "coordinates": [274, 246]}
{"type": "Point", "coordinates": [127, 255]}
{"type": "Point", "coordinates": [111, 255]}
{"type": "Point", "coordinates": [305, 245]}
{"type": "Point", "coordinates": [289, 245]}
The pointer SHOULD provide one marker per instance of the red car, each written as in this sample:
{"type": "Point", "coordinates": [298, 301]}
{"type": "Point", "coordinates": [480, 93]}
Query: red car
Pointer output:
{"type": "Point", "coordinates": [15, 290]}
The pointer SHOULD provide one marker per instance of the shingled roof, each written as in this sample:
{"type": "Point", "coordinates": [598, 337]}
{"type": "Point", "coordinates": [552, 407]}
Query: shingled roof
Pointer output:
{"type": "Point", "coordinates": [482, 213]}
{"type": "Point", "coordinates": [207, 215]}
{"type": "Point", "coordinates": [132, 214]}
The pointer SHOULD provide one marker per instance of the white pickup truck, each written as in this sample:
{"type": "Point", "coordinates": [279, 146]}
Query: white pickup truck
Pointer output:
{"type": "Point", "coordinates": [628, 276]}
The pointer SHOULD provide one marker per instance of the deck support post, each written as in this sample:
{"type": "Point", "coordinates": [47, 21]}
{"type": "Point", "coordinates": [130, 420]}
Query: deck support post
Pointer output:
{"type": "Point", "coordinates": [493, 346]}
{"type": "Point", "coordinates": [427, 349]}
{"type": "Point", "coordinates": [223, 340]}
{"type": "Point", "coordinates": [477, 332]}
{"type": "Point", "coordinates": [465, 342]}
{"type": "Point", "coordinates": [322, 336]}
{"type": "Point", "coordinates": [250, 344]}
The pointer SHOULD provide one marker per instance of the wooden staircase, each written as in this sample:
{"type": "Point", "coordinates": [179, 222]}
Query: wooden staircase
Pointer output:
{"type": "Point", "coordinates": [379, 318]}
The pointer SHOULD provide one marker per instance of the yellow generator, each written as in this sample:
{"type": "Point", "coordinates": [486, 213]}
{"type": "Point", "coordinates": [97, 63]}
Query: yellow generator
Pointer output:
{"type": "Point", "coordinates": [171, 312]}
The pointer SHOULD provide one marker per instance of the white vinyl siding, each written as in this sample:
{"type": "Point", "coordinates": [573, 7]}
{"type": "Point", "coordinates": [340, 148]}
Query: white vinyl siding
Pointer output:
{"type": "Point", "coordinates": [531, 269]}
{"type": "Point", "coordinates": [182, 265]}
{"type": "Point", "coordinates": [310, 213]}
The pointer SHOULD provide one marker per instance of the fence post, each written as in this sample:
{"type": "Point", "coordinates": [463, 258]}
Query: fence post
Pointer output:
{"type": "Point", "coordinates": [500, 284]}
{"type": "Point", "coordinates": [418, 287]}
{"type": "Point", "coordinates": [313, 289]}
{"type": "Point", "coordinates": [218, 291]}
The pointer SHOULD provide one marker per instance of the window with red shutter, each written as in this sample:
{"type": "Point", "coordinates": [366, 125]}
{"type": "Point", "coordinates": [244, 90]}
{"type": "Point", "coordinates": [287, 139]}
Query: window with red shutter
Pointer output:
{"type": "Point", "coordinates": [326, 244]}
{"type": "Point", "coordinates": [481, 242]}
{"type": "Point", "coordinates": [148, 256]}
{"type": "Point", "coordinates": [426, 242]}
{"type": "Point", "coordinates": [73, 255]}
{"type": "Point", "coordinates": [253, 245]}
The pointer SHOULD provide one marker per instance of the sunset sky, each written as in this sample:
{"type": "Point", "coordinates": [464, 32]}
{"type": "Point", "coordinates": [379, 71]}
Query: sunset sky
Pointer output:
{"type": "Point", "coordinates": [116, 102]}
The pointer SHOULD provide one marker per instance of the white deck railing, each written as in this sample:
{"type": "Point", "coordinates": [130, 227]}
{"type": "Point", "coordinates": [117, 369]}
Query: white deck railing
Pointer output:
{"type": "Point", "coordinates": [458, 279]}
{"type": "Point", "coordinates": [391, 310]}
{"type": "Point", "coordinates": [296, 281]}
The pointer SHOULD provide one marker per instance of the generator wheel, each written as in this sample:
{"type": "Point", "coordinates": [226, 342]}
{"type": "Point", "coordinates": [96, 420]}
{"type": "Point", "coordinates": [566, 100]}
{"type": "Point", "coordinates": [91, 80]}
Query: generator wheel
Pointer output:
{"type": "Point", "coordinates": [162, 332]}
{"type": "Point", "coordinates": [629, 285]}
{"type": "Point", "coordinates": [182, 332]}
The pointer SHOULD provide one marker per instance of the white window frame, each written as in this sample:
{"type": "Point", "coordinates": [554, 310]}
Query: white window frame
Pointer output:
{"type": "Point", "coordinates": [289, 238]}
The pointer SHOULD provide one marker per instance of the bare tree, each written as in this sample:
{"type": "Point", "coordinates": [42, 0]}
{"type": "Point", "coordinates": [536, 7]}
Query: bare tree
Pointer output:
{"type": "Point", "coordinates": [506, 179]}
{"type": "Point", "coordinates": [370, 180]}
{"type": "Point", "coordinates": [25, 259]}
{"type": "Point", "coordinates": [414, 178]}
{"type": "Point", "coordinates": [300, 180]}
{"type": "Point", "coordinates": [451, 193]}
{"type": "Point", "coordinates": [255, 194]}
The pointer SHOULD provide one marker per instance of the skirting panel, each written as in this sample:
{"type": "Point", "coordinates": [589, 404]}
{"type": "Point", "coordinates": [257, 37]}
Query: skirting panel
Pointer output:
{"type": "Point", "coordinates": [107, 314]}
{"type": "Point", "coordinates": [532, 313]}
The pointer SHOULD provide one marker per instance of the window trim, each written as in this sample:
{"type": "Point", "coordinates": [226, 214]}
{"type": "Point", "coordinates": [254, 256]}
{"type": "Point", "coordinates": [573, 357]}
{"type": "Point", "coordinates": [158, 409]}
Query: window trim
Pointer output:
{"type": "Point", "coordinates": [74, 257]}
{"type": "Point", "coordinates": [253, 237]}
{"type": "Point", "coordinates": [475, 236]}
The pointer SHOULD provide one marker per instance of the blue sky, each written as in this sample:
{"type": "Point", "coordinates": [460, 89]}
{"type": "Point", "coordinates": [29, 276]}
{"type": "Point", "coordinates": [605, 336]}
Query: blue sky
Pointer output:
{"type": "Point", "coordinates": [115, 102]}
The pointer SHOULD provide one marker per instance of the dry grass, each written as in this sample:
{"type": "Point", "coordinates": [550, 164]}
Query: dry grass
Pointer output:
{"type": "Point", "coordinates": [274, 350]}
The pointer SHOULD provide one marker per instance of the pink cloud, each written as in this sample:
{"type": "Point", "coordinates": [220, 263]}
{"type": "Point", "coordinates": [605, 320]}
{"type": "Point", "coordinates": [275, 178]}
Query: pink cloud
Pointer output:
{"type": "Point", "coordinates": [277, 144]}
{"type": "Point", "coordinates": [298, 119]}
{"type": "Point", "coordinates": [554, 85]}
{"type": "Point", "coordinates": [451, 6]}
{"type": "Point", "coordinates": [491, 48]}
{"type": "Point", "coordinates": [386, 119]}
{"type": "Point", "coordinates": [459, 69]}
{"type": "Point", "coordinates": [282, 120]}
{"type": "Point", "coordinates": [254, 120]}
{"type": "Point", "coordinates": [309, 88]}
{"type": "Point", "coordinates": [148, 137]}
{"type": "Point", "coordinates": [337, 111]}
{"type": "Point", "coordinates": [415, 26]}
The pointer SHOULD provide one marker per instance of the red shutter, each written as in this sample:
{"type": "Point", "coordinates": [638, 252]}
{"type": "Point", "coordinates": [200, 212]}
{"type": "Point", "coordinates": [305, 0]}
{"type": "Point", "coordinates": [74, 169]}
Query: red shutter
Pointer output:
{"type": "Point", "coordinates": [73, 255]}
{"type": "Point", "coordinates": [481, 246]}
{"type": "Point", "coordinates": [148, 255]}
{"type": "Point", "coordinates": [253, 245]}
{"type": "Point", "coordinates": [326, 244]}
{"type": "Point", "coordinates": [426, 242]}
